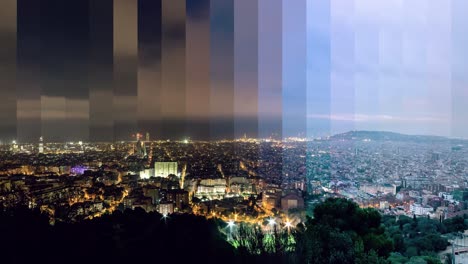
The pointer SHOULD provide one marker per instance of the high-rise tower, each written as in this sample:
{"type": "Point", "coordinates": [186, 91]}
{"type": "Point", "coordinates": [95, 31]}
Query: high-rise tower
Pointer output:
{"type": "Point", "coordinates": [41, 145]}
{"type": "Point", "coordinates": [140, 148]}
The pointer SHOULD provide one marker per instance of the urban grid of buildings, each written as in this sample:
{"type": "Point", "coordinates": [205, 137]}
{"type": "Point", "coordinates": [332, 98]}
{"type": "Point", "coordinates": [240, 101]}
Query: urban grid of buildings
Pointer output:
{"type": "Point", "coordinates": [244, 180]}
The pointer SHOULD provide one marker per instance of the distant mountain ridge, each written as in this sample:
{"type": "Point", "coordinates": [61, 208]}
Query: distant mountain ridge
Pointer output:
{"type": "Point", "coordinates": [390, 136]}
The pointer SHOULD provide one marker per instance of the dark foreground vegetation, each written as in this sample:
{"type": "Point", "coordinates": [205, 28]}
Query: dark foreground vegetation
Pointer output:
{"type": "Point", "coordinates": [340, 232]}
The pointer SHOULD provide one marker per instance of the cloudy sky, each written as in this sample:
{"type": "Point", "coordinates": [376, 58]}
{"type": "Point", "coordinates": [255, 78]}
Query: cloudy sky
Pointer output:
{"type": "Point", "coordinates": [389, 65]}
{"type": "Point", "coordinates": [104, 70]}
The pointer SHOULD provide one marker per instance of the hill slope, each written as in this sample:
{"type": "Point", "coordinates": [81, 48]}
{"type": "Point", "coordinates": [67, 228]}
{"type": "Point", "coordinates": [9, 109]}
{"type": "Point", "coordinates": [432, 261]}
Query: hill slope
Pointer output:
{"type": "Point", "coordinates": [388, 136]}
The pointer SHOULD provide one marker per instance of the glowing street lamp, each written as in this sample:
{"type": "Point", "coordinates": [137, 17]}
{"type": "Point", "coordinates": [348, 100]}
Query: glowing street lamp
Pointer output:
{"type": "Point", "coordinates": [164, 217]}
{"type": "Point", "coordinates": [231, 224]}
{"type": "Point", "coordinates": [288, 225]}
{"type": "Point", "coordinates": [271, 222]}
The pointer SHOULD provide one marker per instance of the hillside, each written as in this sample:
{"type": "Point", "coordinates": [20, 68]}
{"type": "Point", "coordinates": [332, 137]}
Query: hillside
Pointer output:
{"type": "Point", "coordinates": [389, 136]}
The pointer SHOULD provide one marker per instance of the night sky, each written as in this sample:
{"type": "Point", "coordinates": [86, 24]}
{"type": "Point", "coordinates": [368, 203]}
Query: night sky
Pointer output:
{"type": "Point", "coordinates": [211, 69]}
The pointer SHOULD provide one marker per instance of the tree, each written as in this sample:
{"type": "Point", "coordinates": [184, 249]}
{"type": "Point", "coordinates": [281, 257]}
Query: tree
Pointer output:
{"type": "Point", "coordinates": [455, 224]}
{"type": "Point", "coordinates": [397, 258]}
{"type": "Point", "coordinates": [342, 232]}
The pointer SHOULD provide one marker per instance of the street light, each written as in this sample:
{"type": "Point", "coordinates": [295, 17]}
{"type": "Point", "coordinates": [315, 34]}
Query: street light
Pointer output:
{"type": "Point", "coordinates": [164, 217]}
{"type": "Point", "coordinates": [230, 224]}
{"type": "Point", "coordinates": [271, 221]}
{"type": "Point", "coordinates": [288, 225]}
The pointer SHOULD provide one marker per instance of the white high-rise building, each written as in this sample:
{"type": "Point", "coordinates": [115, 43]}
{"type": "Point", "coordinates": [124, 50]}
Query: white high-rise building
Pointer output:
{"type": "Point", "coordinates": [164, 169]}
{"type": "Point", "coordinates": [41, 145]}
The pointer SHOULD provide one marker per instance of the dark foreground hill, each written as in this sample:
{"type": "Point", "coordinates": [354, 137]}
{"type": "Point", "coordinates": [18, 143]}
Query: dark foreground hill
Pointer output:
{"type": "Point", "coordinates": [340, 232]}
{"type": "Point", "coordinates": [129, 237]}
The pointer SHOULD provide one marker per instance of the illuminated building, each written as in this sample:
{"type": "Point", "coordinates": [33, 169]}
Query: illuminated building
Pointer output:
{"type": "Point", "coordinates": [78, 170]}
{"type": "Point", "coordinates": [378, 188]}
{"type": "Point", "coordinates": [211, 188]}
{"type": "Point", "coordinates": [292, 201]}
{"type": "Point", "coordinates": [166, 208]}
{"type": "Point", "coordinates": [383, 205]}
{"type": "Point", "coordinates": [147, 136]}
{"type": "Point", "coordinates": [419, 209]}
{"type": "Point", "coordinates": [272, 196]}
{"type": "Point", "coordinates": [146, 174]}
{"type": "Point", "coordinates": [140, 148]}
{"type": "Point", "coordinates": [179, 197]}
{"type": "Point", "coordinates": [14, 146]}
{"type": "Point", "coordinates": [270, 200]}
{"type": "Point", "coordinates": [64, 170]}
{"type": "Point", "coordinates": [41, 145]}
{"type": "Point", "coordinates": [128, 202]}
{"type": "Point", "coordinates": [240, 185]}
{"type": "Point", "coordinates": [164, 169]}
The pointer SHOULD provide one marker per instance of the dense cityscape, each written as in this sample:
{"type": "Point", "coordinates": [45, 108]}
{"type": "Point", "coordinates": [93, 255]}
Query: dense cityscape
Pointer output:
{"type": "Point", "coordinates": [245, 181]}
